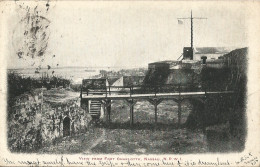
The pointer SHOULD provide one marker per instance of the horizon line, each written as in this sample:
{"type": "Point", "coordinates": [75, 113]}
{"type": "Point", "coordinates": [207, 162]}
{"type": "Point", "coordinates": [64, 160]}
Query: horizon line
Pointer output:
{"type": "Point", "coordinates": [78, 67]}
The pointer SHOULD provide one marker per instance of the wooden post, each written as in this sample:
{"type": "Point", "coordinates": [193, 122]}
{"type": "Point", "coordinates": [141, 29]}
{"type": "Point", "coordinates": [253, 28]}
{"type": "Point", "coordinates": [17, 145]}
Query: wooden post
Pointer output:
{"type": "Point", "coordinates": [80, 96]}
{"type": "Point", "coordinates": [80, 91]}
{"type": "Point", "coordinates": [87, 106]}
{"type": "Point", "coordinates": [131, 104]}
{"type": "Point", "coordinates": [179, 106]}
{"type": "Point", "coordinates": [155, 112]}
{"type": "Point", "coordinates": [155, 102]}
{"type": "Point", "coordinates": [107, 110]}
{"type": "Point", "coordinates": [103, 105]}
{"type": "Point", "coordinates": [108, 105]}
{"type": "Point", "coordinates": [131, 113]}
{"type": "Point", "coordinates": [179, 112]}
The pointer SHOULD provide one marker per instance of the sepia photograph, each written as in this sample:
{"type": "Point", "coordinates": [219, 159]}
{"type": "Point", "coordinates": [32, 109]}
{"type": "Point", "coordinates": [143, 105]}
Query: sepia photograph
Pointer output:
{"type": "Point", "coordinates": [129, 83]}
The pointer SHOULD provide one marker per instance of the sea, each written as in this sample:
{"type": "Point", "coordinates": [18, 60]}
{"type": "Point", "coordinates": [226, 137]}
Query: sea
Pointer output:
{"type": "Point", "coordinates": [75, 74]}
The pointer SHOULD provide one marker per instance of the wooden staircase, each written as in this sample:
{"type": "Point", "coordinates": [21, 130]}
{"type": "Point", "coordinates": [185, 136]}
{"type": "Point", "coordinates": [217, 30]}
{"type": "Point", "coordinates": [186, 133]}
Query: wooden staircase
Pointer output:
{"type": "Point", "coordinates": [95, 108]}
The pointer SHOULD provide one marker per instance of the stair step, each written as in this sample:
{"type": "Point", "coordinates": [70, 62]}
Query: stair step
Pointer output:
{"type": "Point", "coordinates": [94, 113]}
{"type": "Point", "coordinates": [95, 107]}
{"type": "Point", "coordinates": [95, 110]}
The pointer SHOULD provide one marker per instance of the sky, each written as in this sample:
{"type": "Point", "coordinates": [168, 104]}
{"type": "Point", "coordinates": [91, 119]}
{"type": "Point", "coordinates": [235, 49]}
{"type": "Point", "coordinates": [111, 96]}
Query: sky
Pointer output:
{"type": "Point", "coordinates": [124, 34]}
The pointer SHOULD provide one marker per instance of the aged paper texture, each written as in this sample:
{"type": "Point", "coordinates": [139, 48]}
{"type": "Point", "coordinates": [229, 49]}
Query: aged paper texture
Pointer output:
{"type": "Point", "coordinates": [129, 83]}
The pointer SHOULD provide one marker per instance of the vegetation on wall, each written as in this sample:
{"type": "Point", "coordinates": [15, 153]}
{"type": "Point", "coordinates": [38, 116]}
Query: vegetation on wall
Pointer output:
{"type": "Point", "coordinates": [18, 85]}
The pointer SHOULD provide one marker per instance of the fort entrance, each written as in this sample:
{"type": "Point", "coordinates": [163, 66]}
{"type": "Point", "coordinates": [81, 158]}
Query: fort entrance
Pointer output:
{"type": "Point", "coordinates": [66, 126]}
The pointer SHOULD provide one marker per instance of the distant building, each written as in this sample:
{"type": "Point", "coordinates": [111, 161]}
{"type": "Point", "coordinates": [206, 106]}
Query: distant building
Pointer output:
{"type": "Point", "coordinates": [126, 81]}
{"type": "Point", "coordinates": [112, 80]}
{"type": "Point", "coordinates": [211, 57]}
{"type": "Point", "coordinates": [187, 70]}
{"type": "Point", "coordinates": [204, 55]}
{"type": "Point", "coordinates": [211, 53]}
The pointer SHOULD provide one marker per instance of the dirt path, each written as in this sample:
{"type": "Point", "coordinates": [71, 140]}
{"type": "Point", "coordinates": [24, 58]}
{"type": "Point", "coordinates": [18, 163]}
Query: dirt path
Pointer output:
{"type": "Point", "coordinates": [83, 142]}
{"type": "Point", "coordinates": [96, 142]}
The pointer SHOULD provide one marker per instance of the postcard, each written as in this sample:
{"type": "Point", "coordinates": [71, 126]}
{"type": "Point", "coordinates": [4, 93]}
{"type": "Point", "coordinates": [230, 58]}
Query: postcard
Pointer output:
{"type": "Point", "coordinates": [129, 83]}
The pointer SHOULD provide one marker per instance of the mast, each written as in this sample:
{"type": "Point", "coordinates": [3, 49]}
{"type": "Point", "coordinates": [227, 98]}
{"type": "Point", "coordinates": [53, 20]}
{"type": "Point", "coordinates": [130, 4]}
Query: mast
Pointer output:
{"type": "Point", "coordinates": [191, 31]}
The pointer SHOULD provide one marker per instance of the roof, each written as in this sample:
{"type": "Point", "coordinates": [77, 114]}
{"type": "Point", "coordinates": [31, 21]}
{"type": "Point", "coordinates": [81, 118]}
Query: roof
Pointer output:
{"type": "Point", "coordinates": [112, 80]}
{"type": "Point", "coordinates": [212, 50]}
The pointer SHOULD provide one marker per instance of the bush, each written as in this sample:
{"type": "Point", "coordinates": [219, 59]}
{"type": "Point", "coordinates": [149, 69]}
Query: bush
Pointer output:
{"type": "Point", "coordinates": [18, 85]}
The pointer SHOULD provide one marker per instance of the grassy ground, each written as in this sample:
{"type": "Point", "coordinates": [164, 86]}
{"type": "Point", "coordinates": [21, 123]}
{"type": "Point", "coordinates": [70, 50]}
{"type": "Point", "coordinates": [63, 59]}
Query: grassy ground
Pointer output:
{"type": "Point", "coordinates": [144, 112]}
{"type": "Point", "coordinates": [151, 141]}
{"type": "Point", "coordinates": [143, 138]}
{"type": "Point", "coordinates": [137, 141]}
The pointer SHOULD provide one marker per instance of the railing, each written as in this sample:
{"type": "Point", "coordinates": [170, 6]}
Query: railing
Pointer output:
{"type": "Point", "coordinates": [147, 89]}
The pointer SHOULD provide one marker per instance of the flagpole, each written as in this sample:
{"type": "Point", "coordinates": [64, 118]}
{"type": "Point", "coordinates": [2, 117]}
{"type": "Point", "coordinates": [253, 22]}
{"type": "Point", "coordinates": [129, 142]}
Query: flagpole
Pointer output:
{"type": "Point", "coordinates": [191, 32]}
{"type": "Point", "coordinates": [191, 22]}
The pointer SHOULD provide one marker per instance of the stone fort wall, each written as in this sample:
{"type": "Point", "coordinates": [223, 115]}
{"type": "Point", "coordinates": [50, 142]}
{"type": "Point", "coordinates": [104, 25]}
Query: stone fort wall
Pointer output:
{"type": "Point", "coordinates": [36, 121]}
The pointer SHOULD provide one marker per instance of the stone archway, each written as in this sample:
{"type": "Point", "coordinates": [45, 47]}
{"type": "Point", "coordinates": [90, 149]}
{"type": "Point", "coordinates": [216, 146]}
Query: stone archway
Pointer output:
{"type": "Point", "coordinates": [66, 126]}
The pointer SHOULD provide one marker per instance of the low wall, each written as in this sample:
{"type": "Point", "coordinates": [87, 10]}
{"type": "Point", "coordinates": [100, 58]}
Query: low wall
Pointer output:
{"type": "Point", "coordinates": [37, 120]}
